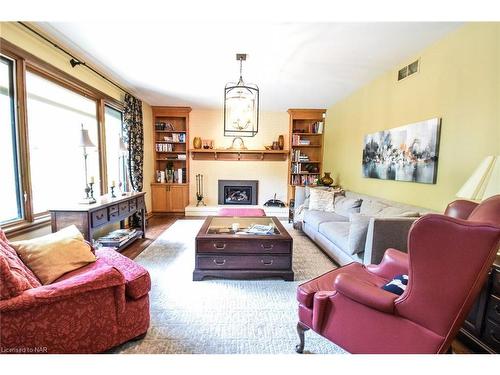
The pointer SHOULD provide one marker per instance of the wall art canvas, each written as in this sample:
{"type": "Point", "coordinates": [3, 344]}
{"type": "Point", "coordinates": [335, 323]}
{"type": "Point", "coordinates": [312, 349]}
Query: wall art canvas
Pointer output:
{"type": "Point", "coordinates": [407, 153]}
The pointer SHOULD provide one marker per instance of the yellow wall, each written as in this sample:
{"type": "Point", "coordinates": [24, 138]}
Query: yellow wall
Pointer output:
{"type": "Point", "coordinates": [459, 82]}
{"type": "Point", "coordinates": [26, 40]}
{"type": "Point", "coordinates": [272, 176]}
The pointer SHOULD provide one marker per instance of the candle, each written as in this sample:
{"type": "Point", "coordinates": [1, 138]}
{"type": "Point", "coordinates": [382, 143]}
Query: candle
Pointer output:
{"type": "Point", "coordinates": [113, 183]}
{"type": "Point", "coordinates": [91, 179]}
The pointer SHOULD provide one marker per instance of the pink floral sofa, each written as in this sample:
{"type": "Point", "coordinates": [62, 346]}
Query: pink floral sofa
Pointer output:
{"type": "Point", "coordinates": [88, 310]}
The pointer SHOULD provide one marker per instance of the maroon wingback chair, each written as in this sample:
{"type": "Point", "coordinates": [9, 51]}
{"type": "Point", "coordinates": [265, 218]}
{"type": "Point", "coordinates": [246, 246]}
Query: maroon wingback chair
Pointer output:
{"type": "Point", "coordinates": [447, 264]}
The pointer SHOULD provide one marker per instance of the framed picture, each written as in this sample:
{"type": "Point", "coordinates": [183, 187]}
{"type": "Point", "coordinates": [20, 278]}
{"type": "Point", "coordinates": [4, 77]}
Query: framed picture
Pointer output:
{"type": "Point", "coordinates": [407, 153]}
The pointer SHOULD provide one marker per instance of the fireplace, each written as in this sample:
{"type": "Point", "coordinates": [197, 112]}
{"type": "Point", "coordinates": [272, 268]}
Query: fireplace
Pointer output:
{"type": "Point", "coordinates": [238, 192]}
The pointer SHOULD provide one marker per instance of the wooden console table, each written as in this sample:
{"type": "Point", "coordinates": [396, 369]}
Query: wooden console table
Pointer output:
{"type": "Point", "coordinates": [90, 217]}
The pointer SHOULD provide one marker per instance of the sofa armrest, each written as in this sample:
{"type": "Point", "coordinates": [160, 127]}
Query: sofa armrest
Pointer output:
{"type": "Point", "coordinates": [384, 233]}
{"type": "Point", "coordinates": [300, 195]}
{"type": "Point", "coordinates": [365, 293]}
{"type": "Point", "coordinates": [394, 263]}
{"type": "Point", "coordinates": [100, 278]}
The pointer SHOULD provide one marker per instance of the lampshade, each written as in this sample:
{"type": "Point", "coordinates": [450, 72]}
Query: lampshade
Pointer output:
{"type": "Point", "coordinates": [484, 182]}
{"type": "Point", "coordinates": [241, 107]}
{"type": "Point", "coordinates": [85, 139]}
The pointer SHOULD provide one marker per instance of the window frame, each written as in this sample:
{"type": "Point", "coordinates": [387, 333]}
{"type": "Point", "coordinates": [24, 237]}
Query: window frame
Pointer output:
{"type": "Point", "coordinates": [14, 130]}
{"type": "Point", "coordinates": [120, 109]}
{"type": "Point", "coordinates": [25, 61]}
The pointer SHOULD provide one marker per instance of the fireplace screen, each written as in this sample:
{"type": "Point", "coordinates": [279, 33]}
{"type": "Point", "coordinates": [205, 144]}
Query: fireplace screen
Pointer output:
{"type": "Point", "coordinates": [238, 192]}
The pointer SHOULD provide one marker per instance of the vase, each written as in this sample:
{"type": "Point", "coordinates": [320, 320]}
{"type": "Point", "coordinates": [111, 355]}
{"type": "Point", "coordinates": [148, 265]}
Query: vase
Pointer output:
{"type": "Point", "coordinates": [326, 180]}
{"type": "Point", "coordinates": [281, 142]}
{"type": "Point", "coordinates": [197, 142]}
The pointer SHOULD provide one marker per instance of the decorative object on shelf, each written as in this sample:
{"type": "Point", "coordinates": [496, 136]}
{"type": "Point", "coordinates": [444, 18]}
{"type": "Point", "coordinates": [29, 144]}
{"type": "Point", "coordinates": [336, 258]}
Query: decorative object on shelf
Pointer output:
{"type": "Point", "coordinates": [199, 190]}
{"type": "Point", "coordinates": [208, 144]}
{"type": "Point", "coordinates": [197, 143]}
{"type": "Point", "coordinates": [91, 185]}
{"type": "Point", "coordinates": [276, 145]}
{"type": "Point", "coordinates": [85, 143]}
{"type": "Point", "coordinates": [484, 182]}
{"type": "Point", "coordinates": [237, 146]}
{"type": "Point", "coordinates": [274, 202]}
{"type": "Point", "coordinates": [268, 147]}
{"type": "Point", "coordinates": [241, 106]}
{"type": "Point", "coordinates": [407, 153]}
{"type": "Point", "coordinates": [281, 142]}
{"type": "Point", "coordinates": [327, 180]}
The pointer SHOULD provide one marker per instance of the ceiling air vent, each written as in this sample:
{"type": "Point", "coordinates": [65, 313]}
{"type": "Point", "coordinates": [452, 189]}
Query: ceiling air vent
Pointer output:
{"type": "Point", "coordinates": [408, 70]}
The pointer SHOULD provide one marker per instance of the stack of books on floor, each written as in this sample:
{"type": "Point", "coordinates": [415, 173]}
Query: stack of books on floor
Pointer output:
{"type": "Point", "coordinates": [117, 237]}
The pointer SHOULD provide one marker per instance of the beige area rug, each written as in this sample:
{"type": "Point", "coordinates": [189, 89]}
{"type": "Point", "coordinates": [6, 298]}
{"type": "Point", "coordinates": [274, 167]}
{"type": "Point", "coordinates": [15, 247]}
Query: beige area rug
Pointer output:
{"type": "Point", "coordinates": [218, 316]}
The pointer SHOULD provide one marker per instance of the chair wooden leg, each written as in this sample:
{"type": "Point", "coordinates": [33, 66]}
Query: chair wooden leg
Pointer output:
{"type": "Point", "coordinates": [299, 348]}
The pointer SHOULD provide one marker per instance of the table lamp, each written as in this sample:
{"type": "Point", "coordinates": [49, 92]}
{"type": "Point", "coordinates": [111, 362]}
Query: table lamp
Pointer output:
{"type": "Point", "coordinates": [85, 143]}
{"type": "Point", "coordinates": [484, 182]}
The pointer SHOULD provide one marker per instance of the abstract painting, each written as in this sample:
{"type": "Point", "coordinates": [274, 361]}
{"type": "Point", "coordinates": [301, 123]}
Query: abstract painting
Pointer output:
{"type": "Point", "coordinates": [407, 153]}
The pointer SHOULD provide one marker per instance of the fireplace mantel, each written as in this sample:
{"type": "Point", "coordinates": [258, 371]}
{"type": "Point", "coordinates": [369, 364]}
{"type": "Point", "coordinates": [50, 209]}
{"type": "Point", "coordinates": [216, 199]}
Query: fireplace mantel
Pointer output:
{"type": "Point", "coordinates": [239, 155]}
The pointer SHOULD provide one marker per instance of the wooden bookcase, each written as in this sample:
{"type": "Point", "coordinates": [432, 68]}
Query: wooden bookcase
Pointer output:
{"type": "Point", "coordinates": [171, 149]}
{"type": "Point", "coordinates": [305, 139]}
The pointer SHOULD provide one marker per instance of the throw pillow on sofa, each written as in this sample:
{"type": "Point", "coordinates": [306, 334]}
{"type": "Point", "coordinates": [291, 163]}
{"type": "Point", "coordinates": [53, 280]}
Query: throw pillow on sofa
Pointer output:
{"type": "Point", "coordinates": [346, 206]}
{"type": "Point", "coordinates": [321, 200]}
{"type": "Point", "coordinates": [357, 233]}
{"type": "Point", "coordinates": [53, 255]}
{"type": "Point", "coordinates": [391, 211]}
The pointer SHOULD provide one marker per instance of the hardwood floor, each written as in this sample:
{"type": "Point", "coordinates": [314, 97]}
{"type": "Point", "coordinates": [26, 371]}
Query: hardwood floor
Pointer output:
{"type": "Point", "coordinates": [159, 223]}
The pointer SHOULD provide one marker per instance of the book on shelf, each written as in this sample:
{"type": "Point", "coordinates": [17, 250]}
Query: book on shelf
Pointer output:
{"type": "Point", "coordinates": [318, 127]}
{"type": "Point", "coordinates": [181, 156]}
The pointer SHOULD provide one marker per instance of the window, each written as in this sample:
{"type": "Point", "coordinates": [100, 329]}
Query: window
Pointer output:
{"type": "Point", "coordinates": [115, 152]}
{"type": "Point", "coordinates": [55, 119]}
{"type": "Point", "coordinates": [12, 208]}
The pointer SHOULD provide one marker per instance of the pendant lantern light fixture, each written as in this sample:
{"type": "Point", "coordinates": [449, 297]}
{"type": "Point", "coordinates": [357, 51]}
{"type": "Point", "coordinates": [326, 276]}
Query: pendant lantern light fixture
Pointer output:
{"type": "Point", "coordinates": [241, 106]}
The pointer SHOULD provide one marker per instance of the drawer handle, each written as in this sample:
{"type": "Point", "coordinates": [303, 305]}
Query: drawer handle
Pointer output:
{"type": "Point", "coordinates": [492, 334]}
{"type": "Point", "coordinates": [220, 246]}
{"type": "Point", "coordinates": [268, 263]}
{"type": "Point", "coordinates": [99, 217]}
{"type": "Point", "coordinates": [267, 246]}
{"type": "Point", "coordinates": [219, 263]}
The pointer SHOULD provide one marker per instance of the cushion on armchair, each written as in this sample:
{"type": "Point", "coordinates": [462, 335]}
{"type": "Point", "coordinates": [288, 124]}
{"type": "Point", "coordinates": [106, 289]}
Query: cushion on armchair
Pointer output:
{"type": "Point", "coordinates": [14, 275]}
{"type": "Point", "coordinates": [51, 256]}
{"type": "Point", "coordinates": [397, 285]}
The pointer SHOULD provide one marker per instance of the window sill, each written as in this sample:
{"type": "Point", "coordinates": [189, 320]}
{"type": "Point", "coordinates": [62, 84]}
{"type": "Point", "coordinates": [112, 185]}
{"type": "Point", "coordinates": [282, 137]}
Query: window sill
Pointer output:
{"type": "Point", "coordinates": [22, 227]}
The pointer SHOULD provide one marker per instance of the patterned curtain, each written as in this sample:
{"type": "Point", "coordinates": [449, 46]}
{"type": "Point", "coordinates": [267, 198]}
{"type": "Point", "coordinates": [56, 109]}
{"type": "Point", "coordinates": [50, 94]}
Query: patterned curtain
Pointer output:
{"type": "Point", "coordinates": [134, 137]}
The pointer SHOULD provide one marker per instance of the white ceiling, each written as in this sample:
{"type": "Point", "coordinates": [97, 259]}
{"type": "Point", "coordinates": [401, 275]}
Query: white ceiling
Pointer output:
{"type": "Point", "coordinates": [295, 65]}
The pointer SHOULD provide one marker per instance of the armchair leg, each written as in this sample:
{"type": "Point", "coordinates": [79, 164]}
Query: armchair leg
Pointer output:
{"type": "Point", "coordinates": [300, 331]}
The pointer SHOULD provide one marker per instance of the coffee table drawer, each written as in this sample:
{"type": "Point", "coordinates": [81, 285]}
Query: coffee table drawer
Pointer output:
{"type": "Point", "coordinates": [99, 217]}
{"type": "Point", "coordinates": [250, 262]}
{"type": "Point", "coordinates": [250, 246]}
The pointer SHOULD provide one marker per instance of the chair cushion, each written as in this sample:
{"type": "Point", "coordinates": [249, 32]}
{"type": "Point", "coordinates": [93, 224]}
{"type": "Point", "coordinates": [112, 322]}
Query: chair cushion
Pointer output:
{"type": "Point", "coordinates": [314, 218]}
{"type": "Point", "coordinates": [51, 256]}
{"type": "Point", "coordinates": [397, 285]}
{"type": "Point", "coordinates": [337, 232]}
{"type": "Point", "coordinates": [325, 282]}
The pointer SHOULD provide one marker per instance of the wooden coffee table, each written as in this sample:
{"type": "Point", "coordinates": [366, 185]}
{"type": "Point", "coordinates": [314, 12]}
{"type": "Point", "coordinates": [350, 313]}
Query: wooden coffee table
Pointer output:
{"type": "Point", "coordinates": [226, 253]}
